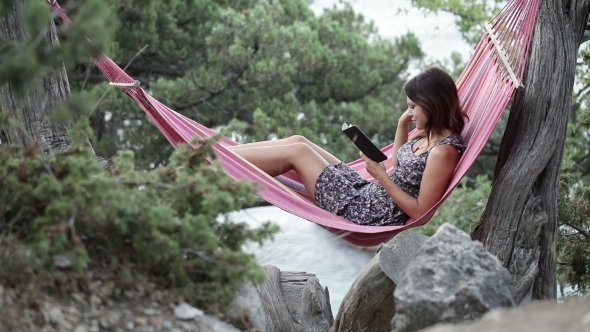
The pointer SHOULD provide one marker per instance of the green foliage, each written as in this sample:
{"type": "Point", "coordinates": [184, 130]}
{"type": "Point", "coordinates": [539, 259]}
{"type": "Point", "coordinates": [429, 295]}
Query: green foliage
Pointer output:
{"type": "Point", "coordinates": [573, 234]}
{"type": "Point", "coordinates": [272, 65]}
{"type": "Point", "coordinates": [573, 257]}
{"type": "Point", "coordinates": [463, 208]}
{"type": "Point", "coordinates": [168, 223]}
{"type": "Point", "coordinates": [65, 215]}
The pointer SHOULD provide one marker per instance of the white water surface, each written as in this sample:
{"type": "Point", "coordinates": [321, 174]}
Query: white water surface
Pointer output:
{"type": "Point", "coordinates": [304, 246]}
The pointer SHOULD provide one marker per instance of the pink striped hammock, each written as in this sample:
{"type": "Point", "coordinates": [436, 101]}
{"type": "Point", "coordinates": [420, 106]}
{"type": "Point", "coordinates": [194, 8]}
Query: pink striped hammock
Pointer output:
{"type": "Point", "coordinates": [485, 87]}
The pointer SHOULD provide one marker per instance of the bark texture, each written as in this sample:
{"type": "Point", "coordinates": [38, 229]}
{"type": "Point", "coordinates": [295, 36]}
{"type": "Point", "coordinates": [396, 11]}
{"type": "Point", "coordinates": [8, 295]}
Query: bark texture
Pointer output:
{"type": "Point", "coordinates": [520, 219]}
{"type": "Point", "coordinates": [295, 302]}
{"type": "Point", "coordinates": [44, 94]}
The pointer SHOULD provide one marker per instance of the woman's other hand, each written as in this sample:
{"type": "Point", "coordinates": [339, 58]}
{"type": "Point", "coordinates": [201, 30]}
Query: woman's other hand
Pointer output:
{"type": "Point", "coordinates": [377, 170]}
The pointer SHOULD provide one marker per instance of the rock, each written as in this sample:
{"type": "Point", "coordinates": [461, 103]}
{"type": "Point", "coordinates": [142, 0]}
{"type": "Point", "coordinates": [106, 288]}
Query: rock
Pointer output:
{"type": "Point", "coordinates": [81, 328]}
{"type": "Point", "coordinates": [108, 319]}
{"type": "Point", "coordinates": [451, 279]}
{"type": "Point", "coordinates": [61, 261]}
{"type": "Point", "coordinates": [210, 324]}
{"type": "Point", "coordinates": [166, 324]}
{"type": "Point", "coordinates": [246, 310]}
{"type": "Point", "coordinates": [185, 311]}
{"type": "Point", "coordinates": [78, 297]}
{"type": "Point", "coordinates": [396, 255]}
{"type": "Point", "coordinates": [151, 311]}
{"type": "Point", "coordinates": [369, 305]}
{"type": "Point", "coordinates": [54, 315]}
{"type": "Point", "coordinates": [141, 321]}
{"type": "Point", "coordinates": [572, 315]}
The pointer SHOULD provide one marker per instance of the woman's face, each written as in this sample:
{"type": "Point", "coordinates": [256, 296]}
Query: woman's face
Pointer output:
{"type": "Point", "coordinates": [418, 116]}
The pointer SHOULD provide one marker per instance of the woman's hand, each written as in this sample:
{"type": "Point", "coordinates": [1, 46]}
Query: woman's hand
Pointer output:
{"type": "Point", "coordinates": [406, 118]}
{"type": "Point", "coordinates": [377, 170]}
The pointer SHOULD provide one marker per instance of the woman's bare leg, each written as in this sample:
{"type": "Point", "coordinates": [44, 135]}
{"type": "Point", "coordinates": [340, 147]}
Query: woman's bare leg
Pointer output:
{"type": "Point", "coordinates": [278, 159]}
{"type": "Point", "coordinates": [330, 159]}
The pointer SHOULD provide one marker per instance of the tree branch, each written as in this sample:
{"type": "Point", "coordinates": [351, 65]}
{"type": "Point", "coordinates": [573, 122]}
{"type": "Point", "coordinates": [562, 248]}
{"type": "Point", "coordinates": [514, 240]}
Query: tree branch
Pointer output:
{"type": "Point", "coordinates": [578, 229]}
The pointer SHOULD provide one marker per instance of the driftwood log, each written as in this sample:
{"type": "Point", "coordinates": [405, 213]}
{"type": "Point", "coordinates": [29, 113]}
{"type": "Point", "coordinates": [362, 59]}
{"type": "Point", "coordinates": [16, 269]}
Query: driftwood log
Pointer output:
{"type": "Point", "coordinates": [295, 301]}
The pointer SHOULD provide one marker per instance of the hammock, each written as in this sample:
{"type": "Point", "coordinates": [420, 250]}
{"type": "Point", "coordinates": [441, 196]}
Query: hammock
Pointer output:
{"type": "Point", "coordinates": [485, 88]}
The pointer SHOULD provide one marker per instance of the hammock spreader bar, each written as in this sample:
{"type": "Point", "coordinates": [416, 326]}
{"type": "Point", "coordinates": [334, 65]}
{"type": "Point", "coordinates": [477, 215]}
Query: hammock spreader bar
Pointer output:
{"type": "Point", "coordinates": [485, 88]}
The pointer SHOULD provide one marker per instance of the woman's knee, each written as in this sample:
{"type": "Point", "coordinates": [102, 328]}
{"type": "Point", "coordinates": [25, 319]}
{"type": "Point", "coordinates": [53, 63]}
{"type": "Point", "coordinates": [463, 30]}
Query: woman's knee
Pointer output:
{"type": "Point", "coordinates": [299, 149]}
{"type": "Point", "coordinates": [299, 139]}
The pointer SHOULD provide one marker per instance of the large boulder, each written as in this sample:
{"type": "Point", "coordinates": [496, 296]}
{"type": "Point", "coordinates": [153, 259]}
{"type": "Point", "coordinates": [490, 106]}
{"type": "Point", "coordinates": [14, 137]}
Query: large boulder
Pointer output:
{"type": "Point", "coordinates": [451, 279]}
{"type": "Point", "coordinates": [572, 315]}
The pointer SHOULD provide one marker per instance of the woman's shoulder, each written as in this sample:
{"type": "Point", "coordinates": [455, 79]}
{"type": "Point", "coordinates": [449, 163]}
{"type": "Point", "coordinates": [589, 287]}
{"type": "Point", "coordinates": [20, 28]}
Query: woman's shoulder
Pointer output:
{"type": "Point", "coordinates": [454, 140]}
{"type": "Point", "coordinates": [445, 153]}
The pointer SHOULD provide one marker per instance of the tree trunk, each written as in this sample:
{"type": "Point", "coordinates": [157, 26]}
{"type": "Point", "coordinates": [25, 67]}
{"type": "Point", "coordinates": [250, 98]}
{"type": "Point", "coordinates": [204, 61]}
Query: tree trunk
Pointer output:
{"type": "Point", "coordinates": [520, 219]}
{"type": "Point", "coordinates": [43, 96]}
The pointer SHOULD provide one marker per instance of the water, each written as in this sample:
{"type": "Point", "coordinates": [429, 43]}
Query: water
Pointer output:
{"type": "Point", "coordinates": [304, 246]}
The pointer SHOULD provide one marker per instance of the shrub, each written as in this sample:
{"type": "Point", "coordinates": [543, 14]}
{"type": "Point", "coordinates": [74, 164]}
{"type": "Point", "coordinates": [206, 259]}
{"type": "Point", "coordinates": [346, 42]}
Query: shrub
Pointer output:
{"type": "Point", "coordinates": [169, 224]}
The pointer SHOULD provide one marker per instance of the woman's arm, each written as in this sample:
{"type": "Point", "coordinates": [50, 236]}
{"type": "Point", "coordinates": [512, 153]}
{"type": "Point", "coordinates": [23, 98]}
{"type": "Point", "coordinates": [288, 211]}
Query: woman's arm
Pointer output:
{"type": "Point", "coordinates": [440, 166]}
{"type": "Point", "coordinates": [401, 134]}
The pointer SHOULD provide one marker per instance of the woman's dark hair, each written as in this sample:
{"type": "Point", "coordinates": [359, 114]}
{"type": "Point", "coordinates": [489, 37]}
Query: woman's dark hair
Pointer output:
{"type": "Point", "coordinates": [435, 91]}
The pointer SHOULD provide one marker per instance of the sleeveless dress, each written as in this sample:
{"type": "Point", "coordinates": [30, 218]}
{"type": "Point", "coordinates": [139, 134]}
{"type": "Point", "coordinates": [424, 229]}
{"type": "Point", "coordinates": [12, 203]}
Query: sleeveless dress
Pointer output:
{"type": "Point", "coordinates": [342, 191]}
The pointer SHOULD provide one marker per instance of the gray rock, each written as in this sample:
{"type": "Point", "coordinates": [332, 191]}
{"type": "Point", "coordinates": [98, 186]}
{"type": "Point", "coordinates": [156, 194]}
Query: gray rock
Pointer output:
{"type": "Point", "coordinates": [451, 279]}
{"type": "Point", "coordinates": [211, 324]}
{"type": "Point", "coordinates": [246, 310]}
{"type": "Point", "coordinates": [108, 319]}
{"type": "Point", "coordinates": [396, 255]}
{"type": "Point", "coordinates": [152, 311]}
{"type": "Point", "coordinates": [81, 328]}
{"type": "Point", "coordinates": [572, 315]}
{"type": "Point", "coordinates": [61, 261]}
{"type": "Point", "coordinates": [185, 311]}
{"type": "Point", "coordinates": [130, 325]}
{"type": "Point", "coordinates": [53, 314]}
{"type": "Point", "coordinates": [167, 324]}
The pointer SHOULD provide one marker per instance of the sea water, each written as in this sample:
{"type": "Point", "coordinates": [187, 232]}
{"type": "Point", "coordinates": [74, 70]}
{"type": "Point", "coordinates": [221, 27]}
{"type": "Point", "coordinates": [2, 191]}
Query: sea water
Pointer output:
{"type": "Point", "coordinates": [304, 246]}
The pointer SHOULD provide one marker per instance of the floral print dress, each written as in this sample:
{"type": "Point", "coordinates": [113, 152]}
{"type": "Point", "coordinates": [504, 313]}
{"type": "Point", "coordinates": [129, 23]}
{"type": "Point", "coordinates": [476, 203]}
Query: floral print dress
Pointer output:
{"type": "Point", "coordinates": [342, 191]}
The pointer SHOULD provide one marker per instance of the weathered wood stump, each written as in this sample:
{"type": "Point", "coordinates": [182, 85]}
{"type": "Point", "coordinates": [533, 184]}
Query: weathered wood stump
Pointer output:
{"type": "Point", "coordinates": [295, 301]}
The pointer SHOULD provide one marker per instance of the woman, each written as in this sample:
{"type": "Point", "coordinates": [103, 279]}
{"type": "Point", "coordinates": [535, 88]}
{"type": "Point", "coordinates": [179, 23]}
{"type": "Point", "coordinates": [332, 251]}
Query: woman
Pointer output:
{"type": "Point", "coordinates": [424, 165]}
